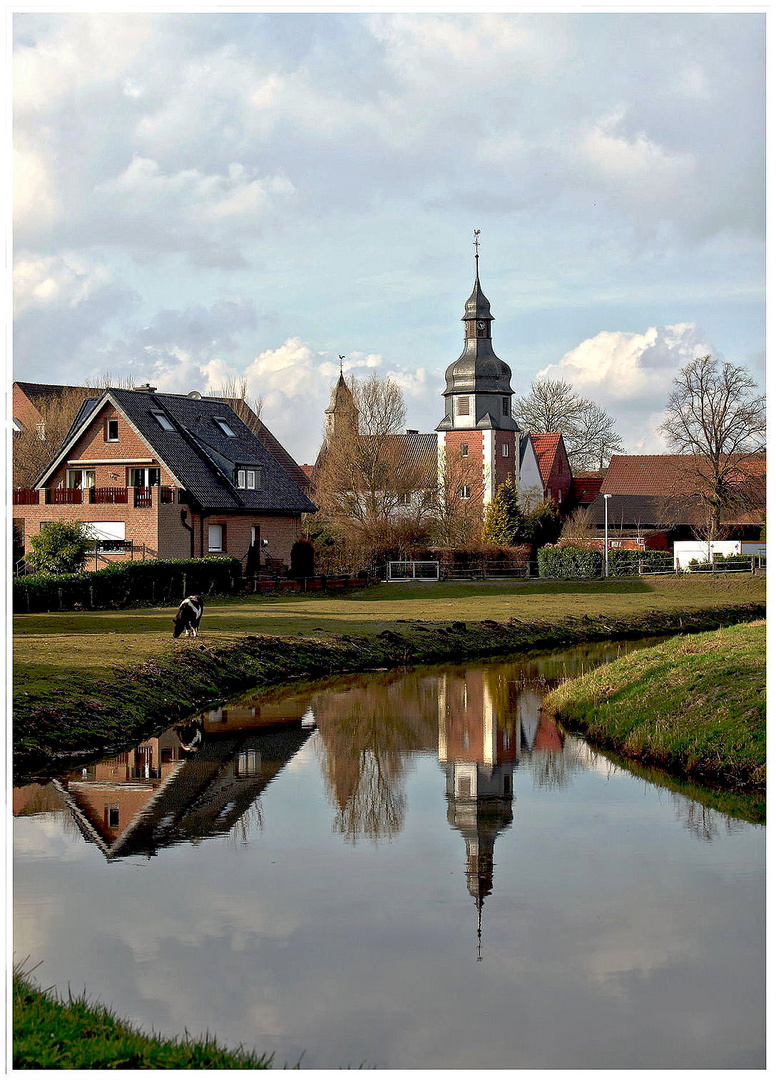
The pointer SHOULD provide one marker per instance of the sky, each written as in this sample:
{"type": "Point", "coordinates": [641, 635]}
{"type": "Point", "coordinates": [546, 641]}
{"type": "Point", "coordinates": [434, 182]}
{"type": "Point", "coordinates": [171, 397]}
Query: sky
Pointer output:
{"type": "Point", "coordinates": [203, 196]}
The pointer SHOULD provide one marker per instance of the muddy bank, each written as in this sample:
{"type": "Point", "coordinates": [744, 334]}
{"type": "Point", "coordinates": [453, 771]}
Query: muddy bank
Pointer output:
{"type": "Point", "coordinates": [97, 717]}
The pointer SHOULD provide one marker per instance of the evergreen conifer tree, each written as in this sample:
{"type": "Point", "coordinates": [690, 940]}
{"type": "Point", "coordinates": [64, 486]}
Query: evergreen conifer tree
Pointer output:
{"type": "Point", "coordinates": [504, 519]}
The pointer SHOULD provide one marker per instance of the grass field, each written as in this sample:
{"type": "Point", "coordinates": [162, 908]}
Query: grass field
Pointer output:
{"type": "Point", "coordinates": [692, 704]}
{"type": "Point", "coordinates": [48, 646]}
{"type": "Point", "coordinates": [54, 1032]}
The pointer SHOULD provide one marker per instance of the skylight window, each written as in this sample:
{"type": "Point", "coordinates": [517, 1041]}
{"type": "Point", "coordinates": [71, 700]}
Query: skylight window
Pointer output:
{"type": "Point", "coordinates": [163, 421]}
{"type": "Point", "coordinates": [221, 421]}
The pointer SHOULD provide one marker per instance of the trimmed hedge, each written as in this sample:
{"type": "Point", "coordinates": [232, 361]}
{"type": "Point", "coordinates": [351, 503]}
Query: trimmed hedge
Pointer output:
{"type": "Point", "coordinates": [625, 562]}
{"type": "Point", "coordinates": [570, 562]}
{"type": "Point", "coordinates": [122, 584]}
{"type": "Point", "coordinates": [582, 562]}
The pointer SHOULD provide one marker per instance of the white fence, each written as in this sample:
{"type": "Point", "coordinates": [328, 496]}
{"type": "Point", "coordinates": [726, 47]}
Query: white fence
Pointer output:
{"type": "Point", "coordinates": [412, 570]}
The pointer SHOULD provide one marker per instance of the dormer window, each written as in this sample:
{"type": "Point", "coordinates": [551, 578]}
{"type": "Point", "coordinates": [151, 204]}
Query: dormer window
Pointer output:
{"type": "Point", "coordinates": [221, 422]}
{"type": "Point", "coordinates": [246, 478]}
{"type": "Point", "coordinates": [163, 421]}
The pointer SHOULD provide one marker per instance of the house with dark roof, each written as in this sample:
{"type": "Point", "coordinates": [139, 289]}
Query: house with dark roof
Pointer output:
{"type": "Point", "coordinates": [30, 401]}
{"type": "Point", "coordinates": [168, 475]}
{"type": "Point", "coordinates": [651, 497]}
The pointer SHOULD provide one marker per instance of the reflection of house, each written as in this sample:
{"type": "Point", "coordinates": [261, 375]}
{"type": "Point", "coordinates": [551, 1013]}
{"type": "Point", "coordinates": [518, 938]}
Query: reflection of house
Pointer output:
{"type": "Point", "coordinates": [157, 796]}
{"type": "Point", "coordinates": [183, 476]}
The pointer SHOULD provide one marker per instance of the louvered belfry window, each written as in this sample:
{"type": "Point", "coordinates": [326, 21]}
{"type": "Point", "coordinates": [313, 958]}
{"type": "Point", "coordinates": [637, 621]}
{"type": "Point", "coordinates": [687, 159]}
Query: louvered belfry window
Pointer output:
{"type": "Point", "coordinates": [463, 406]}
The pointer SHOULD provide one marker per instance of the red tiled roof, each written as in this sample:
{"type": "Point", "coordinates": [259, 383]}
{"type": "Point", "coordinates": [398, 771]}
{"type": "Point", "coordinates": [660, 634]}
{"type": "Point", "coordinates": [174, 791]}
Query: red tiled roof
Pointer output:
{"type": "Point", "coordinates": [584, 489]}
{"type": "Point", "coordinates": [661, 474]}
{"type": "Point", "coordinates": [546, 448]}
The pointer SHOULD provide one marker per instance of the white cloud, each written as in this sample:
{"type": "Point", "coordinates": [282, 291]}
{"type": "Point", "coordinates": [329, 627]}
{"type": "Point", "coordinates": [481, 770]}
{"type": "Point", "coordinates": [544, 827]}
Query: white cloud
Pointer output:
{"type": "Point", "coordinates": [630, 375]}
{"type": "Point", "coordinates": [68, 279]}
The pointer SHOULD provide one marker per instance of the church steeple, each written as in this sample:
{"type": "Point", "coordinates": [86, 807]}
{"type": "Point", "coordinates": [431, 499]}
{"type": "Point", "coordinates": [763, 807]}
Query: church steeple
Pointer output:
{"type": "Point", "coordinates": [478, 387]}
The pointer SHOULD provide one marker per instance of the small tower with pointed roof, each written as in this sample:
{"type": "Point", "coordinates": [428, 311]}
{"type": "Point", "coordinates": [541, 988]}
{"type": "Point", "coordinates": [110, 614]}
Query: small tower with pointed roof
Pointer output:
{"type": "Point", "coordinates": [478, 422]}
{"type": "Point", "coordinates": [342, 414]}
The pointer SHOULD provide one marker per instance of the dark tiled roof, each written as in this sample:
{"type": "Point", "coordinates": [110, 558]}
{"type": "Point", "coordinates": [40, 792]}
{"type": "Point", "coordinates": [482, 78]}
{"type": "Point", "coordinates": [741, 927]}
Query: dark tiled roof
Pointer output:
{"type": "Point", "coordinates": [46, 390]}
{"type": "Point", "coordinates": [202, 457]}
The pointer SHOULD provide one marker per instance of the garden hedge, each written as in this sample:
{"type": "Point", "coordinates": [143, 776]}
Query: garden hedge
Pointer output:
{"type": "Point", "coordinates": [122, 584]}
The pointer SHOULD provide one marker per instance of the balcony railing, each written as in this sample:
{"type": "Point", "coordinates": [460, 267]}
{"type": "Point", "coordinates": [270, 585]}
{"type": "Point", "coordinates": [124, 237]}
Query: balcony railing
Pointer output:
{"type": "Point", "coordinates": [142, 496]}
{"type": "Point", "coordinates": [108, 495]}
{"type": "Point", "coordinates": [60, 496]}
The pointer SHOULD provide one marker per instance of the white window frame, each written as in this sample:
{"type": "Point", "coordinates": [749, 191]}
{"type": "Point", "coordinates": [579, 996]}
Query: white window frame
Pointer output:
{"type": "Point", "coordinates": [210, 537]}
{"type": "Point", "coordinates": [108, 437]}
{"type": "Point", "coordinates": [83, 478]}
{"type": "Point", "coordinates": [163, 420]}
{"type": "Point", "coordinates": [464, 449]}
{"type": "Point", "coordinates": [146, 470]}
{"type": "Point", "coordinates": [223, 424]}
{"type": "Point", "coordinates": [505, 450]}
{"type": "Point", "coordinates": [246, 479]}
{"type": "Point", "coordinates": [464, 492]}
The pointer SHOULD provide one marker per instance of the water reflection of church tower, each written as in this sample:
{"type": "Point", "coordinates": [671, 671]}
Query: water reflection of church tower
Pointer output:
{"type": "Point", "coordinates": [478, 748]}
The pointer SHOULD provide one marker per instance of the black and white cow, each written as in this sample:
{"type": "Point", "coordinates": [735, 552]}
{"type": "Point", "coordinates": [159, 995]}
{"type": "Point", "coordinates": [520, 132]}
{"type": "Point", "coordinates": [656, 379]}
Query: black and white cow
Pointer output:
{"type": "Point", "coordinates": [188, 617]}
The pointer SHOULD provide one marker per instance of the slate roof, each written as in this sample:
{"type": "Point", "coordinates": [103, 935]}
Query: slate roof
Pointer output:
{"type": "Point", "coordinates": [47, 390]}
{"type": "Point", "coordinates": [199, 454]}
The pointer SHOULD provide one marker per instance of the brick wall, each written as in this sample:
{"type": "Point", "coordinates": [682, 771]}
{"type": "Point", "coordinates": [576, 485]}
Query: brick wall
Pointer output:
{"type": "Point", "coordinates": [474, 461]}
{"type": "Point", "coordinates": [505, 467]}
{"type": "Point", "coordinates": [130, 449]}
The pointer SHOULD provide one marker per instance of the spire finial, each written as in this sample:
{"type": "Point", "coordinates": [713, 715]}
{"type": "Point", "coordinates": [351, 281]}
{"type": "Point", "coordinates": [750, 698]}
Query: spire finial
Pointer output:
{"type": "Point", "coordinates": [341, 358]}
{"type": "Point", "coordinates": [477, 250]}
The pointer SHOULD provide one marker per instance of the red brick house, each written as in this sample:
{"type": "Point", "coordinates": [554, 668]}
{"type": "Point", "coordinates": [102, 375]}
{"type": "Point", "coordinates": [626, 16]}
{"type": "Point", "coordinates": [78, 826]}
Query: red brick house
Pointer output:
{"type": "Point", "coordinates": [171, 475]}
{"type": "Point", "coordinates": [651, 501]}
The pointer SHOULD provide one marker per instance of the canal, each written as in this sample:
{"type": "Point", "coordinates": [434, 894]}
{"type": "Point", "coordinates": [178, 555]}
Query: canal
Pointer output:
{"type": "Point", "coordinates": [401, 870]}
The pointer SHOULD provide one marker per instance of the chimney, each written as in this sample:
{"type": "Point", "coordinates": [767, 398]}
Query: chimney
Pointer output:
{"type": "Point", "coordinates": [146, 388]}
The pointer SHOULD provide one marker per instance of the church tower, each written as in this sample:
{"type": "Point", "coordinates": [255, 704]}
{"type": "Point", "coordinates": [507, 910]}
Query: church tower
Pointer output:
{"type": "Point", "coordinates": [478, 422]}
{"type": "Point", "coordinates": [341, 417]}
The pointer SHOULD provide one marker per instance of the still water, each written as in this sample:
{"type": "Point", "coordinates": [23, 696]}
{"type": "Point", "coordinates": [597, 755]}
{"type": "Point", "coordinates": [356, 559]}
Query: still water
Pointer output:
{"type": "Point", "coordinates": [400, 870]}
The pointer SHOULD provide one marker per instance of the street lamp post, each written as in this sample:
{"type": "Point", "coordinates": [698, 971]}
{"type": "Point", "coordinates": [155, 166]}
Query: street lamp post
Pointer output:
{"type": "Point", "coordinates": [606, 535]}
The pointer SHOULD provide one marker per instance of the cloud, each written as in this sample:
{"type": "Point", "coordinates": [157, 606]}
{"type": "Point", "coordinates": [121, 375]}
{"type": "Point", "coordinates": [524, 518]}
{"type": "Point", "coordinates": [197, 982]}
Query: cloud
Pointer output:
{"type": "Point", "coordinates": [630, 375]}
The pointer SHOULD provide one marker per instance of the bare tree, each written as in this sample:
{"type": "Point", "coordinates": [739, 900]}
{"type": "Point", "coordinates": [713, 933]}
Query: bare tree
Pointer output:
{"type": "Point", "coordinates": [248, 407]}
{"type": "Point", "coordinates": [458, 513]}
{"type": "Point", "coordinates": [716, 418]}
{"type": "Point", "coordinates": [578, 529]}
{"type": "Point", "coordinates": [552, 405]}
{"type": "Point", "coordinates": [35, 447]}
{"type": "Point", "coordinates": [365, 475]}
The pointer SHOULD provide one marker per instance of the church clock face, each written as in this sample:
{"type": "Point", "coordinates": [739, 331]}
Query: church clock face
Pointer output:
{"type": "Point", "coordinates": [480, 327]}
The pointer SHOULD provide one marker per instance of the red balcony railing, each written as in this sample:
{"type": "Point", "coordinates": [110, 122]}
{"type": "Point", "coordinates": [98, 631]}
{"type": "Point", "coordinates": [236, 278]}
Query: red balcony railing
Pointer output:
{"type": "Point", "coordinates": [26, 497]}
{"type": "Point", "coordinates": [143, 497]}
{"type": "Point", "coordinates": [167, 494]}
{"type": "Point", "coordinates": [59, 496]}
{"type": "Point", "coordinates": [108, 495]}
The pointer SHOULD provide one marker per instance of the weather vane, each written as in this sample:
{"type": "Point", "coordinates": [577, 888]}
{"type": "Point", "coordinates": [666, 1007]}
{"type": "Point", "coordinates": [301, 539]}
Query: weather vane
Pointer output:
{"type": "Point", "coordinates": [477, 243]}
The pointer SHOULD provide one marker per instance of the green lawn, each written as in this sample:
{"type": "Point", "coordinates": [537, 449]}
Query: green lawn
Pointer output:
{"type": "Point", "coordinates": [50, 643]}
{"type": "Point", "coordinates": [53, 1032]}
{"type": "Point", "coordinates": [692, 704]}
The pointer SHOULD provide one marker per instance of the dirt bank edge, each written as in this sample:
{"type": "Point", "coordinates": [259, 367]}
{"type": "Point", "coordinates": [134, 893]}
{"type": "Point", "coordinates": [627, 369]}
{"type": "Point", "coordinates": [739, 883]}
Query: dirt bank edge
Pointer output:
{"type": "Point", "coordinates": [97, 717]}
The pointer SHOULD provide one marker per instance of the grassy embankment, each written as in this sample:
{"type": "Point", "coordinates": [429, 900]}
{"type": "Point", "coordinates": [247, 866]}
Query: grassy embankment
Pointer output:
{"type": "Point", "coordinates": [51, 1032]}
{"type": "Point", "coordinates": [692, 705]}
{"type": "Point", "coordinates": [97, 680]}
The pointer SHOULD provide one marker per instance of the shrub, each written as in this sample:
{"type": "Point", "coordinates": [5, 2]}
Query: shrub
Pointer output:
{"type": "Point", "coordinates": [569, 562]}
{"type": "Point", "coordinates": [504, 520]}
{"type": "Point", "coordinates": [59, 548]}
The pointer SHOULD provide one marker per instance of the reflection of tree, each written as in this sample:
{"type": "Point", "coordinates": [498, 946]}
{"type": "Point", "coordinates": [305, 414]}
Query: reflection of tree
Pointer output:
{"type": "Point", "coordinates": [366, 732]}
